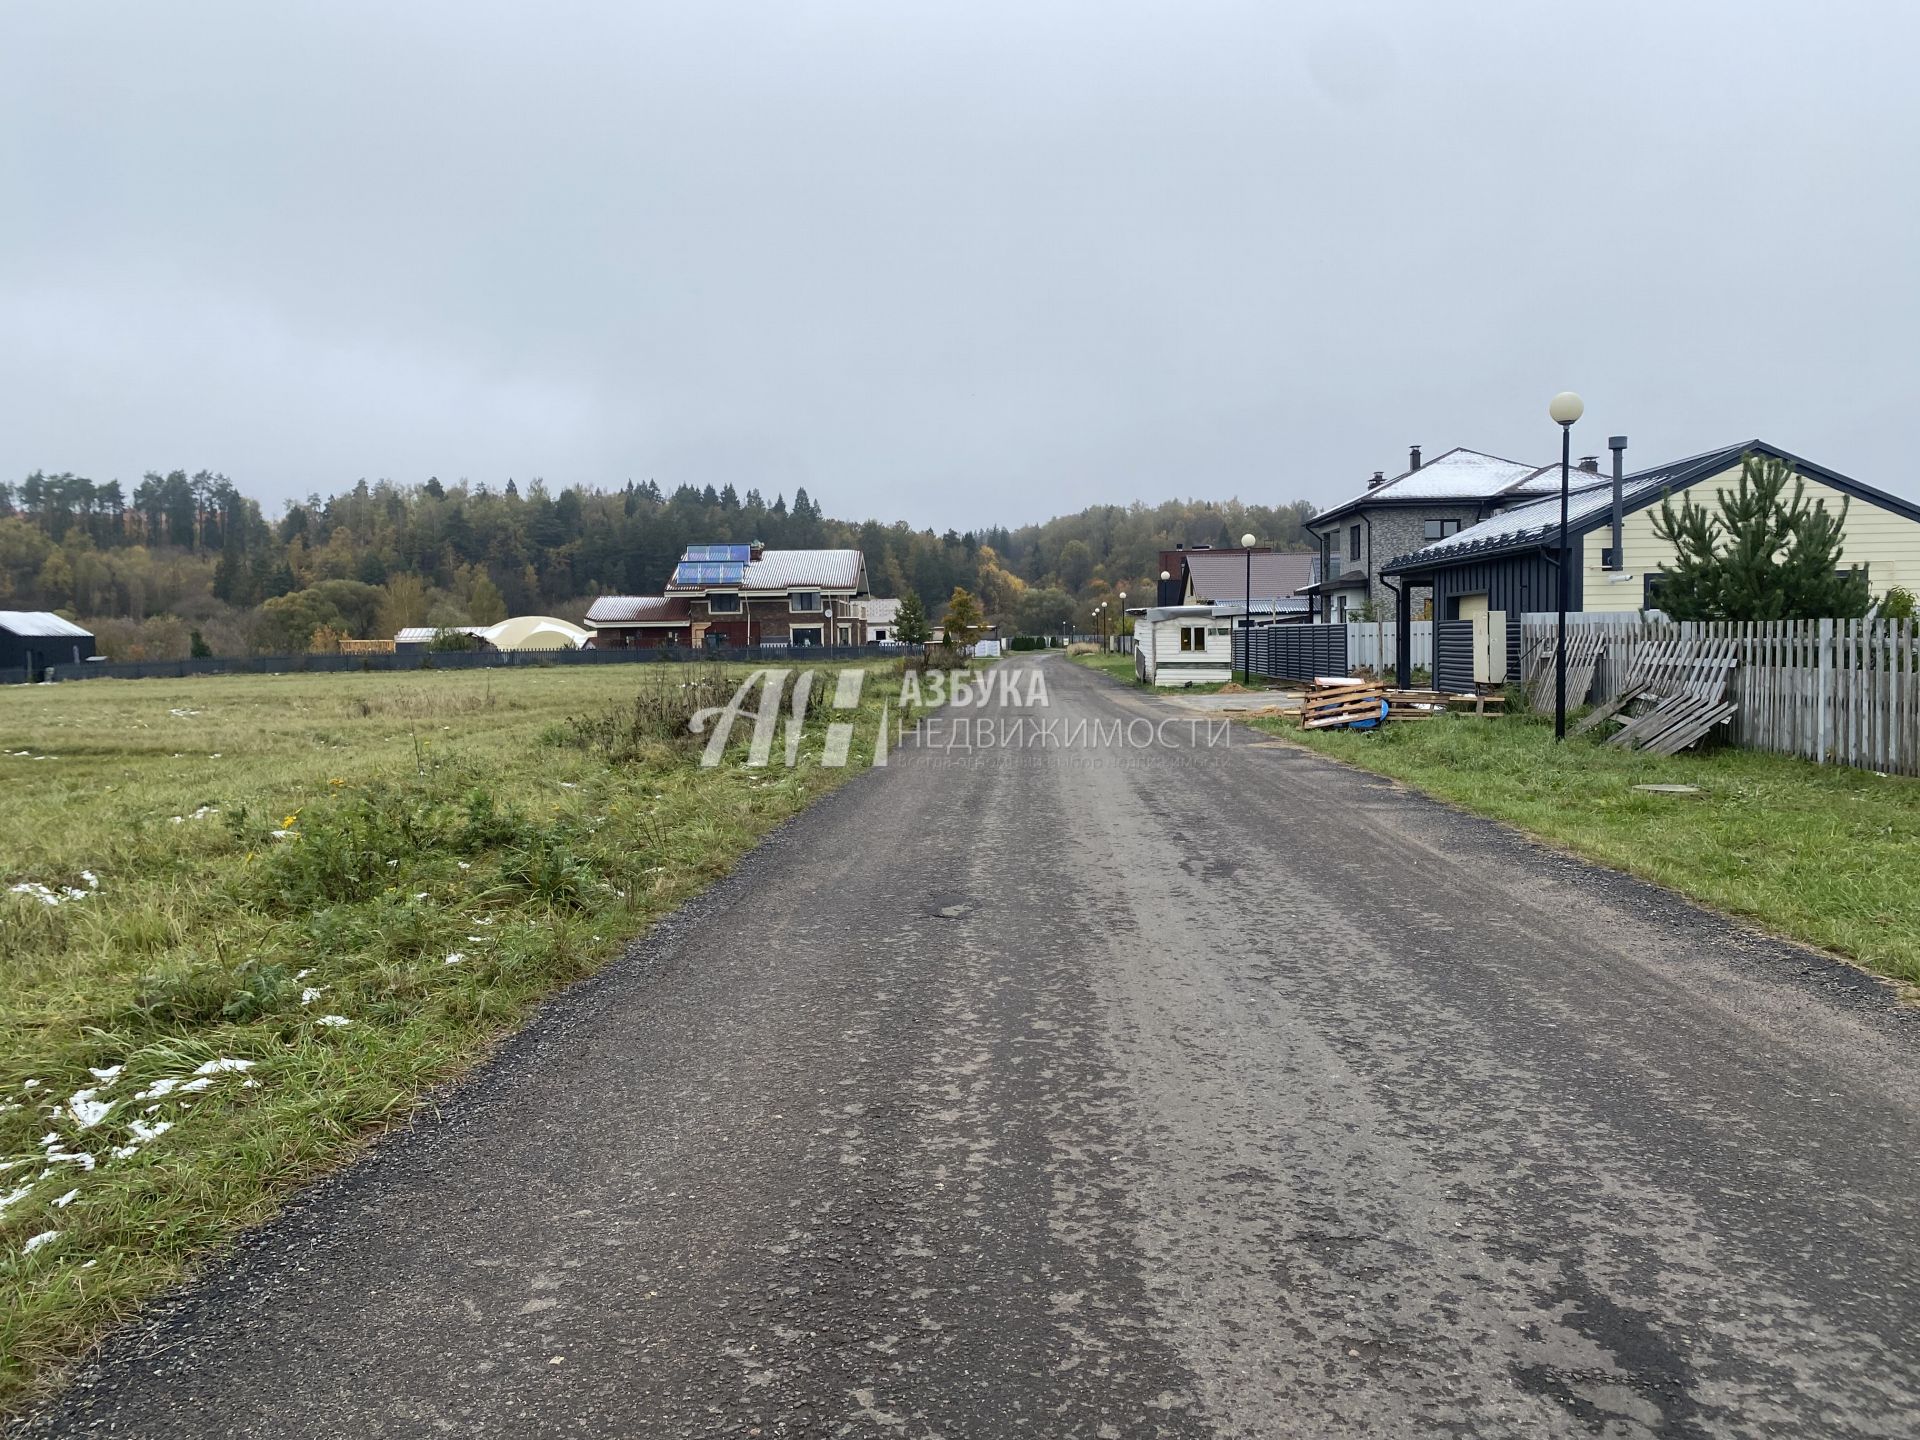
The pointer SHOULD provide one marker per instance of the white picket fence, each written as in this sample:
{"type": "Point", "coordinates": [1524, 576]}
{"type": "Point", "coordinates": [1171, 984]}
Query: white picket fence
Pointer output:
{"type": "Point", "coordinates": [1842, 692]}
{"type": "Point", "coordinates": [1370, 645]}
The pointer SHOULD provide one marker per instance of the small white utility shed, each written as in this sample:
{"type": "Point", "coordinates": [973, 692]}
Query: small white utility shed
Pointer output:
{"type": "Point", "coordinates": [1183, 645]}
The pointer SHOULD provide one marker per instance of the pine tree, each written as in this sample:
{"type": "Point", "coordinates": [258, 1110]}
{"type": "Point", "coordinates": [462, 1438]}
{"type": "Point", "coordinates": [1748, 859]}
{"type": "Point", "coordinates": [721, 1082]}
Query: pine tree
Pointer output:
{"type": "Point", "coordinates": [910, 623]}
{"type": "Point", "coordinates": [1766, 555]}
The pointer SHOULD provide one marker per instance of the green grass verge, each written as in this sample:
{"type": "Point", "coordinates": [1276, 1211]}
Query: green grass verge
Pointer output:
{"type": "Point", "coordinates": [1821, 854]}
{"type": "Point", "coordinates": [454, 847]}
{"type": "Point", "coordinates": [1118, 666]}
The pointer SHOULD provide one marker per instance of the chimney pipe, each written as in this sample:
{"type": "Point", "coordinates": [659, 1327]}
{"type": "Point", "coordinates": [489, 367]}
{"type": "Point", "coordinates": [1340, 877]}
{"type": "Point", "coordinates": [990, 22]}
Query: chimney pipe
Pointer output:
{"type": "Point", "coordinates": [1590, 464]}
{"type": "Point", "coordinates": [1379, 478]}
{"type": "Point", "coordinates": [1617, 444]}
{"type": "Point", "coordinates": [1413, 458]}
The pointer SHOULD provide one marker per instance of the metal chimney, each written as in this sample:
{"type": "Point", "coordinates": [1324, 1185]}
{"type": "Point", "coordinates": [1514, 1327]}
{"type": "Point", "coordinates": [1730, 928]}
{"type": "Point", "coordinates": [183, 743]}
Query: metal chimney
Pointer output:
{"type": "Point", "coordinates": [1618, 445]}
{"type": "Point", "coordinates": [1379, 479]}
{"type": "Point", "coordinates": [1413, 458]}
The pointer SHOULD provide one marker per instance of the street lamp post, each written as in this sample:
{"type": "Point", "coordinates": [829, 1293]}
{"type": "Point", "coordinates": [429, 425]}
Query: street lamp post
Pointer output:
{"type": "Point", "coordinates": [1119, 620]}
{"type": "Point", "coordinates": [1246, 661]}
{"type": "Point", "coordinates": [1565, 408]}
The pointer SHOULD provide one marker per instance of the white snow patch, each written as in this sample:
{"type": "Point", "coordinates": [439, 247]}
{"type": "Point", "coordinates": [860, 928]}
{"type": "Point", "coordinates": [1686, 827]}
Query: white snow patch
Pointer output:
{"type": "Point", "coordinates": [13, 1196]}
{"type": "Point", "coordinates": [66, 1200]}
{"type": "Point", "coordinates": [146, 1133]}
{"type": "Point", "coordinates": [454, 959]}
{"type": "Point", "coordinates": [108, 1075]}
{"type": "Point", "coordinates": [311, 994]}
{"type": "Point", "coordinates": [34, 1242]}
{"type": "Point", "coordinates": [336, 1021]}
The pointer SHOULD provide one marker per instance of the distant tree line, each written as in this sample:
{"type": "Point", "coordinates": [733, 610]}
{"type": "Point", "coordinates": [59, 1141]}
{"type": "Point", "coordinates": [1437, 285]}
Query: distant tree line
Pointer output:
{"type": "Point", "coordinates": [188, 554]}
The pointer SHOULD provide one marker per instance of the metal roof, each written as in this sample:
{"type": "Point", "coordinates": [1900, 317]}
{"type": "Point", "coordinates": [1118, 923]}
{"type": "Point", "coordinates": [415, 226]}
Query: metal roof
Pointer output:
{"type": "Point", "coordinates": [41, 623]}
{"type": "Point", "coordinates": [1590, 501]}
{"type": "Point", "coordinates": [797, 569]}
{"type": "Point", "coordinates": [1457, 474]}
{"type": "Point", "coordinates": [637, 609]}
{"type": "Point", "coordinates": [1222, 574]}
{"type": "Point", "coordinates": [421, 634]}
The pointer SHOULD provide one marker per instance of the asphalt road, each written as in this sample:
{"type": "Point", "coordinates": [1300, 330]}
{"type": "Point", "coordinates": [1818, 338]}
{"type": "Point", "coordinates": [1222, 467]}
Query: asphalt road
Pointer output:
{"type": "Point", "coordinates": [1185, 1090]}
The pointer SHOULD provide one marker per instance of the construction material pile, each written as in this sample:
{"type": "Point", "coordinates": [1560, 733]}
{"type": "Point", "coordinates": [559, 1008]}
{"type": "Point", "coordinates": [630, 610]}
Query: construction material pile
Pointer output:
{"type": "Point", "coordinates": [1352, 702]}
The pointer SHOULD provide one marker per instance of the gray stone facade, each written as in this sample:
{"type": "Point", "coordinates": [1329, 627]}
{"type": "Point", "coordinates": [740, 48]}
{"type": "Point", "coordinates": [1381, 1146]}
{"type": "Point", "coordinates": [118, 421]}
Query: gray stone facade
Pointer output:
{"type": "Point", "coordinates": [1386, 533]}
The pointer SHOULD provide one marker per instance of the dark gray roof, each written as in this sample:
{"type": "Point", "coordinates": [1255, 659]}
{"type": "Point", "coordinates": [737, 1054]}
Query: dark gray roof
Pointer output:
{"type": "Point", "coordinates": [41, 624]}
{"type": "Point", "coordinates": [1590, 505]}
{"type": "Point", "coordinates": [1222, 574]}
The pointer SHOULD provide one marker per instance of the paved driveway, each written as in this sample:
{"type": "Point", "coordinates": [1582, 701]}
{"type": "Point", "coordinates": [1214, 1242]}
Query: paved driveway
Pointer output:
{"type": "Point", "coordinates": [1110, 1093]}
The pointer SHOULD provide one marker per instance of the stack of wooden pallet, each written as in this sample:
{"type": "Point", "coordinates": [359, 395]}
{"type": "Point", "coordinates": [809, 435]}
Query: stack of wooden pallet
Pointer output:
{"type": "Point", "coordinates": [1676, 693]}
{"type": "Point", "coordinates": [1334, 701]}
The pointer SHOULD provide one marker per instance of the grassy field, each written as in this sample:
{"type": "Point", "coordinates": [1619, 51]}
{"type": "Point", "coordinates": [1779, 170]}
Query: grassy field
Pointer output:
{"type": "Point", "coordinates": [1118, 666]}
{"type": "Point", "coordinates": [245, 922]}
{"type": "Point", "coordinates": [1827, 855]}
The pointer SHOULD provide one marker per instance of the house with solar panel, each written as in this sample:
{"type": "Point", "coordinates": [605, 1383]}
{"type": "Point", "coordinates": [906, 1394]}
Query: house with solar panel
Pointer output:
{"type": "Point", "coordinates": [33, 640]}
{"type": "Point", "coordinates": [723, 596]}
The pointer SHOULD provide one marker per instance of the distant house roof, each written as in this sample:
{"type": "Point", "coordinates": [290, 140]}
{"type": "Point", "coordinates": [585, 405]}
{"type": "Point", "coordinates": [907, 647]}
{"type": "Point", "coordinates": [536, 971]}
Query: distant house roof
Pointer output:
{"type": "Point", "coordinates": [1590, 504]}
{"type": "Point", "coordinates": [422, 634]}
{"type": "Point", "coordinates": [1458, 474]}
{"type": "Point", "coordinates": [1222, 574]}
{"type": "Point", "coordinates": [787, 570]}
{"type": "Point", "coordinates": [41, 623]}
{"type": "Point", "coordinates": [638, 610]}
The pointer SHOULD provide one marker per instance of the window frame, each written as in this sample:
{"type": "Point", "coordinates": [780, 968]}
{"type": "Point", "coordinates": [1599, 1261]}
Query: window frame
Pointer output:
{"type": "Point", "coordinates": [1189, 634]}
{"type": "Point", "coordinates": [819, 606]}
{"type": "Point", "coordinates": [1441, 523]}
{"type": "Point", "coordinates": [737, 608]}
{"type": "Point", "coordinates": [819, 635]}
{"type": "Point", "coordinates": [1353, 543]}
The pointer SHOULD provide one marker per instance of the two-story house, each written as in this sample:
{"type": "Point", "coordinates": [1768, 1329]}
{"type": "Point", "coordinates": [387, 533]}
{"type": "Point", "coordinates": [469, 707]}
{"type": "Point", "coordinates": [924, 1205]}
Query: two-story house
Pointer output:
{"type": "Point", "coordinates": [737, 595]}
{"type": "Point", "coordinates": [1428, 501]}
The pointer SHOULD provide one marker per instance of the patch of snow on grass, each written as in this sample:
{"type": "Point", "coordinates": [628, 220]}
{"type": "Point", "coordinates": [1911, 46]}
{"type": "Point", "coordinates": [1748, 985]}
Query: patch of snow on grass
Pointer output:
{"type": "Point", "coordinates": [336, 1021]}
{"type": "Point", "coordinates": [66, 1200]}
{"type": "Point", "coordinates": [34, 1242]}
{"type": "Point", "coordinates": [86, 1111]}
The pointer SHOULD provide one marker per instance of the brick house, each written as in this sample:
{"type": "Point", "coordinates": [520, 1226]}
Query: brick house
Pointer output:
{"type": "Point", "coordinates": [738, 595]}
{"type": "Point", "coordinates": [1393, 517]}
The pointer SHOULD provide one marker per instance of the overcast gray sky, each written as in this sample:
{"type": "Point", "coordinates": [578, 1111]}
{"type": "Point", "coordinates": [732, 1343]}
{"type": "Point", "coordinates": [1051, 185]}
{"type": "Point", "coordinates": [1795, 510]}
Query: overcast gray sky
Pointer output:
{"type": "Point", "coordinates": [954, 263]}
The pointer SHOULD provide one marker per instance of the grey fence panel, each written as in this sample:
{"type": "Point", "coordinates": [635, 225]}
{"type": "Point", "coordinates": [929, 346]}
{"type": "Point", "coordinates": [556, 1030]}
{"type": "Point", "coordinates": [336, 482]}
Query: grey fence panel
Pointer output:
{"type": "Point", "coordinates": [1291, 652]}
{"type": "Point", "coordinates": [1453, 656]}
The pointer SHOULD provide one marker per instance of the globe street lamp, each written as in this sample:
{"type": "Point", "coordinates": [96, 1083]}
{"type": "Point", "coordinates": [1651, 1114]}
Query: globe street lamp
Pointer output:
{"type": "Point", "coordinates": [1246, 668]}
{"type": "Point", "coordinates": [1565, 408]}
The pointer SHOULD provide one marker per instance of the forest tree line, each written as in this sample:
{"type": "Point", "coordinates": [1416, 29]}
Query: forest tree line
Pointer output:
{"type": "Point", "coordinates": [185, 555]}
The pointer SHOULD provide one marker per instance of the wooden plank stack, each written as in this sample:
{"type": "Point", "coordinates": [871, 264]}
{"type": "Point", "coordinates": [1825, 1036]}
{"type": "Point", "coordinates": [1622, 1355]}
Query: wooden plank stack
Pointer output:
{"type": "Point", "coordinates": [1337, 701]}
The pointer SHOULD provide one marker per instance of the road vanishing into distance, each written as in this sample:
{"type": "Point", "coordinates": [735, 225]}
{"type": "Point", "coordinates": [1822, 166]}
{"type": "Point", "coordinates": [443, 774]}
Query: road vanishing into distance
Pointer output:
{"type": "Point", "coordinates": [1187, 1090]}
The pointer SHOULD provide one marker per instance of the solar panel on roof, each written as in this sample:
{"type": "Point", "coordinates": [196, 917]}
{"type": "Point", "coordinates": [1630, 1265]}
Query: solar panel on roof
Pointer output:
{"type": "Point", "coordinates": [707, 572]}
{"type": "Point", "coordinates": [726, 554]}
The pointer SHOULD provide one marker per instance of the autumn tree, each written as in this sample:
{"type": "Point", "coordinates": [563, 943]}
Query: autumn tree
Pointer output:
{"type": "Point", "coordinates": [963, 621]}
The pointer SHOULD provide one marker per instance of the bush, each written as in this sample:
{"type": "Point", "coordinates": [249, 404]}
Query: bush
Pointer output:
{"type": "Point", "coordinates": [1028, 642]}
{"type": "Point", "coordinates": [1897, 603]}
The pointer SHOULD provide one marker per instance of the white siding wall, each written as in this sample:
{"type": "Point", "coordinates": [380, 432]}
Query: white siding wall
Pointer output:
{"type": "Point", "coordinates": [1171, 666]}
{"type": "Point", "coordinates": [1888, 544]}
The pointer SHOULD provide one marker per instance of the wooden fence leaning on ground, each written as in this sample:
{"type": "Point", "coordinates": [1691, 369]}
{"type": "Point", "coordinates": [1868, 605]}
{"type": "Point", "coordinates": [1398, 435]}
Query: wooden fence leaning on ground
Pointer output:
{"type": "Point", "coordinates": [1843, 692]}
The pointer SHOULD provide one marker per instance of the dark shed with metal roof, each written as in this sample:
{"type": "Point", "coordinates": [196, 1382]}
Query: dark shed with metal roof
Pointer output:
{"type": "Point", "coordinates": [31, 640]}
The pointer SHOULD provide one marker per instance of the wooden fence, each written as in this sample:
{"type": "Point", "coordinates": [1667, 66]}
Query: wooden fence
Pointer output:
{"type": "Point", "coordinates": [1842, 692]}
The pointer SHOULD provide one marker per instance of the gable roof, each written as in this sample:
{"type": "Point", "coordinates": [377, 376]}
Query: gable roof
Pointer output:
{"type": "Point", "coordinates": [1221, 575]}
{"type": "Point", "coordinates": [41, 624]}
{"type": "Point", "coordinates": [637, 610]}
{"type": "Point", "coordinates": [1590, 505]}
{"type": "Point", "coordinates": [1458, 474]}
{"type": "Point", "coordinates": [785, 569]}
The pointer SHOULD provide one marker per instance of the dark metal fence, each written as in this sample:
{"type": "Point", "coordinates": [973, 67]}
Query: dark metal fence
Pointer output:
{"type": "Point", "coordinates": [1453, 656]}
{"type": "Point", "coordinates": [1291, 652]}
{"type": "Point", "coordinates": [449, 660]}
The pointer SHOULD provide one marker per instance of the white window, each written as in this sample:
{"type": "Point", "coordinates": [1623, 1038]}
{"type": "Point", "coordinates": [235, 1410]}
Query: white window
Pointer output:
{"type": "Point", "coordinates": [804, 635]}
{"type": "Point", "coordinates": [723, 602]}
{"type": "Point", "coordinates": [803, 602]}
{"type": "Point", "coordinates": [1193, 637]}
